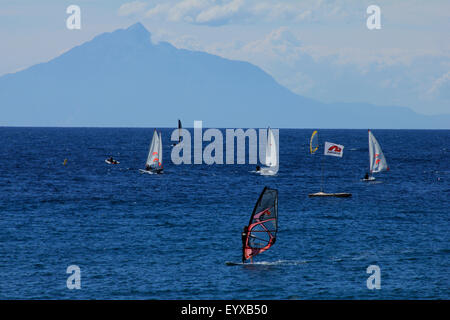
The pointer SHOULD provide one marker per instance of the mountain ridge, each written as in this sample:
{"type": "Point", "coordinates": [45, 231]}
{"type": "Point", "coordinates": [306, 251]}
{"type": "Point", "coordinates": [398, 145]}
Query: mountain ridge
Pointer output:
{"type": "Point", "coordinates": [123, 79]}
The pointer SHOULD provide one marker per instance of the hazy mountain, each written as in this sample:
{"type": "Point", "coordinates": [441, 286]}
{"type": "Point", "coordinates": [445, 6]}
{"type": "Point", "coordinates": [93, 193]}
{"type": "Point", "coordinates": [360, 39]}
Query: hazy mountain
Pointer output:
{"type": "Point", "coordinates": [123, 79]}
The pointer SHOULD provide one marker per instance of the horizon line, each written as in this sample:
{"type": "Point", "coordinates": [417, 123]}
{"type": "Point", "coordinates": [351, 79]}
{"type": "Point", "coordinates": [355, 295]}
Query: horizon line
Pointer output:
{"type": "Point", "coordinates": [164, 127]}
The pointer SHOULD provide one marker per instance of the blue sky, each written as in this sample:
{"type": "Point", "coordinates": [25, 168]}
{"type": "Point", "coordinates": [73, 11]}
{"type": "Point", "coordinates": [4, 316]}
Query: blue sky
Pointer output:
{"type": "Point", "coordinates": [319, 49]}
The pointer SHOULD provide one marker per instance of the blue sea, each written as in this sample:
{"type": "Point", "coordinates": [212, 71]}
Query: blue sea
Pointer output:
{"type": "Point", "coordinates": [139, 236]}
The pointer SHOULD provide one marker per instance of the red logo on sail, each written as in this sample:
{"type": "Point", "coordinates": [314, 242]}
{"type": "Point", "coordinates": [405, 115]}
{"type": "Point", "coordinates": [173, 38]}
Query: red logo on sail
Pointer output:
{"type": "Point", "coordinates": [377, 161]}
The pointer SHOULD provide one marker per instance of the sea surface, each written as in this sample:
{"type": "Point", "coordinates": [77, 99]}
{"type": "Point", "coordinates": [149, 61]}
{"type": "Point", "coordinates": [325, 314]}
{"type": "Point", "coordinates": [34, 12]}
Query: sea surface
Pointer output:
{"type": "Point", "coordinates": [139, 236]}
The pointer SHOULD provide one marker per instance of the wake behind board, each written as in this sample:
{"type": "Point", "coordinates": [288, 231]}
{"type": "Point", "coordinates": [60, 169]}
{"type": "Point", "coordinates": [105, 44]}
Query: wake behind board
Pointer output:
{"type": "Point", "coordinates": [266, 172]}
{"type": "Point", "coordinates": [323, 194]}
{"type": "Point", "coordinates": [230, 263]}
{"type": "Point", "coordinates": [150, 171]}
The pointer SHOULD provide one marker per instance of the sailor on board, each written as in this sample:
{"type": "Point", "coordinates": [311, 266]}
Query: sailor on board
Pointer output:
{"type": "Point", "coordinates": [244, 242]}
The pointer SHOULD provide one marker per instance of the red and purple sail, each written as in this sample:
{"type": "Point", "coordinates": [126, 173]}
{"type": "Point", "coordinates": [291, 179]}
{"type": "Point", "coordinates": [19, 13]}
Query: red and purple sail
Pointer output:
{"type": "Point", "coordinates": [263, 226]}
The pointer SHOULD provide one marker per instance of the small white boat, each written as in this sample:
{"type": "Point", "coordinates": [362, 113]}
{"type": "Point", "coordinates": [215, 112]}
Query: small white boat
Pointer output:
{"type": "Point", "coordinates": [271, 156]}
{"type": "Point", "coordinates": [153, 164]}
{"type": "Point", "coordinates": [377, 160]}
{"type": "Point", "coordinates": [108, 161]}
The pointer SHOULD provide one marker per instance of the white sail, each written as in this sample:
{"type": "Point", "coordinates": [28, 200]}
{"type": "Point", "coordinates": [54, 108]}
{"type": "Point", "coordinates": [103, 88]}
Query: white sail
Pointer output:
{"type": "Point", "coordinates": [271, 150]}
{"type": "Point", "coordinates": [377, 161]}
{"type": "Point", "coordinates": [153, 158]}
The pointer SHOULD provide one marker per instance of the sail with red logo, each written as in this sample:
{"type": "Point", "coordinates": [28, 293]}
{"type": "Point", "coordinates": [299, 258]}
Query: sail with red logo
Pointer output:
{"type": "Point", "coordinates": [377, 160]}
{"type": "Point", "coordinates": [260, 234]}
{"type": "Point", "coordinates": [154, 158]}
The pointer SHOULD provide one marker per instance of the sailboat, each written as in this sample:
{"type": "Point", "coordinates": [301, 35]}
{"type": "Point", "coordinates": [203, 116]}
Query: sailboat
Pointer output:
{"type": "Point", "coordinates": [271, 156]}
{"type": "Point", "coordinates": [153, 164]}
{"type": "Point", "coordinates": [179, 133]}
{"type": "Point", "coordinates": [377, 161]}
{"type": "Point", "coordinates": [330, 149]}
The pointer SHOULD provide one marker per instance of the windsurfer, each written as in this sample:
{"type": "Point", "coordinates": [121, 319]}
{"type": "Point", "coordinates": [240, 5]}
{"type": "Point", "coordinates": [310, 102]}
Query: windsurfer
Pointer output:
{"type": "Point", "coordinates": [112, 161]}
{"type": "Point", "coordinates": [366, 177]}
{"type": "Point", "coordinates": [258, 168]}
{"type": "Point", "coordinates": [244, 242]}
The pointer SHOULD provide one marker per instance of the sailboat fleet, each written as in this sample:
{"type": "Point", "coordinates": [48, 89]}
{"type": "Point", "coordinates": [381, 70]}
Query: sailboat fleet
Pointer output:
{"type": "Point", "coordinates": [260, 234]}
{"type": "Point", "coordinates": [377, 160]}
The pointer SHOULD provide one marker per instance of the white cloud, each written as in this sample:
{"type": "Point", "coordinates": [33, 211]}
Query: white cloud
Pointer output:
{"type": "Point", "coordinates": [280, 43]}
{"type": "Point", "coordinates": [322, 48]}
{"type": "Point", "coordinates": [220, 13]}
{"type": "Point", "coordinates": [441, 86]}
{"type": "Point", "coordinates": [131, 8]}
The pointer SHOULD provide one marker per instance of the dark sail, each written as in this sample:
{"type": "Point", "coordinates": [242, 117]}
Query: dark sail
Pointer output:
{"type": "Point", "coordinates": [262, 228]}
{"type": "Point", "coordinates": [179, 130]}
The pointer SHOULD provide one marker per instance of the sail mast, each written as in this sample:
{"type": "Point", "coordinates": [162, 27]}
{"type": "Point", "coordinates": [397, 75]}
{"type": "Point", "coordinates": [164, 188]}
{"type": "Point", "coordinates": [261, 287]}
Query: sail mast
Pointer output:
{"type": "Point", "coordinates": [370, 152]}
{"type": "Point", "coordinates": [321, 179]}
{"type": "Point", "coordinates": [160, 155]}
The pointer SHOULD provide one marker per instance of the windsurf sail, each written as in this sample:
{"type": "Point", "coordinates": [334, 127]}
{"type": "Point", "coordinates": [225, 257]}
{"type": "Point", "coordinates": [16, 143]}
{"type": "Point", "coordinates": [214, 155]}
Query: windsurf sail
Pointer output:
{"type": "Point", "coordinates": [314, 142]}
{"type": "Point", "coordinates": [377, 161]}
{"type": "Point", "coordinates": [154, 158]}
{"type": "Point", "coordinates": [263, 226]}
{"type": "Point", "coordinates": [179, 130]}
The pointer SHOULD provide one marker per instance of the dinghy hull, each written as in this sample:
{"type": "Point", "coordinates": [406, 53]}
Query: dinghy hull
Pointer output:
{"type": "Point", "coordinates": [323, 194]}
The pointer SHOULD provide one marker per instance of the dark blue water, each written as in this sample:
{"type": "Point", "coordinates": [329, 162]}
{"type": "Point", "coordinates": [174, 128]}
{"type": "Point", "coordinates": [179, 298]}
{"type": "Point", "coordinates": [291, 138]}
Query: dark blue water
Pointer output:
{"type": "Point", "coordinates": [168, 236]}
